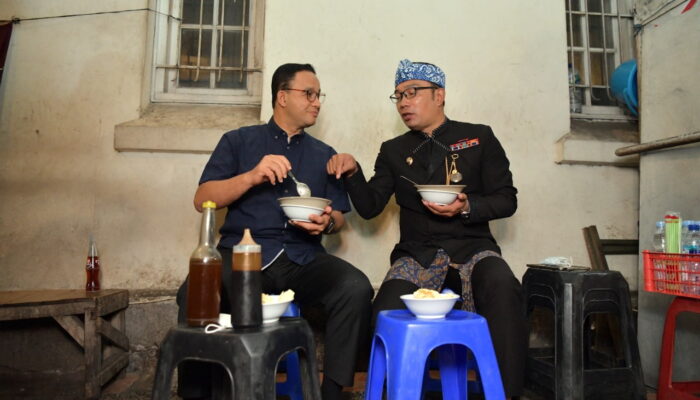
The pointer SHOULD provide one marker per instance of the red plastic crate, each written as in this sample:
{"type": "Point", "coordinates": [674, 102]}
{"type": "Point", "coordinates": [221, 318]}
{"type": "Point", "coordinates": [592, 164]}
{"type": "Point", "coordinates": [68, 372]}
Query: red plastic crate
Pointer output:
{"type": "Point", "coordinates": [676, 274]}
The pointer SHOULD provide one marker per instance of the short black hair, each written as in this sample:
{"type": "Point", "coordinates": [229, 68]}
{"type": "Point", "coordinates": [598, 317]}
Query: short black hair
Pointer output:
{"type": "Point", "coordinates": [284, 74]}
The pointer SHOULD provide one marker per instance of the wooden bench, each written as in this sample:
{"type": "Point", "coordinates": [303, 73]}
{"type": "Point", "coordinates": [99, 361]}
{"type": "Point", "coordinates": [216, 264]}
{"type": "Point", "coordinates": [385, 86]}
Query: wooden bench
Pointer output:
{"type": "Point", "coordinates": [88, 318]}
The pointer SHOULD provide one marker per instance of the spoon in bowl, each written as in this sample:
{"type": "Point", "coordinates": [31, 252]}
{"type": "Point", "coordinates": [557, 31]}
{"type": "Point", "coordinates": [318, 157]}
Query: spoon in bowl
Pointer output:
{"type": "Point", "coordinates": [302, 188]}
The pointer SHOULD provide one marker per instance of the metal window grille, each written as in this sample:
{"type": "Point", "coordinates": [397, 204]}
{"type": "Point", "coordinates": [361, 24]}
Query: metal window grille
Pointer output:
{"type": "Point", "coordinates": [599, 38]}
{"type": "Point", "coordinates": [211, 53]}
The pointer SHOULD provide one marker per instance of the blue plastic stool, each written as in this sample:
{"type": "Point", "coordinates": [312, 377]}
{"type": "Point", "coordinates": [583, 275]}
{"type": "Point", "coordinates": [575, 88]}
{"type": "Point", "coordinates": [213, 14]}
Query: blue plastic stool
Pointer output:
{"type": "Point", "coordinates": [402, 344]}
{"type": "Point", "coordinates": [290, 364]}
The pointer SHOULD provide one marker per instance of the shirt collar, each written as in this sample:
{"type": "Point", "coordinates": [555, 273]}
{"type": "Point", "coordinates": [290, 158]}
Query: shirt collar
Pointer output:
{"type": "Point", "coordinates": [276, 131]}
{"type": "Point", "coordinates": [439, 130]}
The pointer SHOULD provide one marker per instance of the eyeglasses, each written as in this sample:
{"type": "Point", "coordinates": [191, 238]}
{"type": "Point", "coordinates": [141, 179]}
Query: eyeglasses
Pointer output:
{"type": "Point", "coordinates": [408, 93]}
{"type": "Point", "coordinates": [311, 95]}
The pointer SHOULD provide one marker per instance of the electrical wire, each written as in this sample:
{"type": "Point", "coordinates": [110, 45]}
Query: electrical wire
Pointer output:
{"type": "Point", "coordinates": [661, 11]}
{"type": "Point", "coordinates": [15, 20]}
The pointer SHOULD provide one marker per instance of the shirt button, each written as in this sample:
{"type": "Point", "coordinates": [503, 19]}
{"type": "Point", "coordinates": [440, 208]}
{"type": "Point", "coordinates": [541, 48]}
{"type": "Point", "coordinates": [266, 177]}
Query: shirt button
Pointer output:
{"type": "Point", "coordinates": [276, 137]}
{"type": "Point", "coordinates": [287, 147]}
{"type": "Point", "coordinates": [286, 191]}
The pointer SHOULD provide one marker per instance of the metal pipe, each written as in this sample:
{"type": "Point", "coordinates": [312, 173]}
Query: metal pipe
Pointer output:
{"type": "Point", "coordinates": [674, 141]}
{"type": "Point", "coordinates": [221, 41]}
{"type": "Point", "coordinates": [205, 68]}
{"type": "Point", "coordinates": [243, 23]}
{"type": "Point", "coordinates": [199, 41]}
{"type": "Point", "coordinates": [571, 36]}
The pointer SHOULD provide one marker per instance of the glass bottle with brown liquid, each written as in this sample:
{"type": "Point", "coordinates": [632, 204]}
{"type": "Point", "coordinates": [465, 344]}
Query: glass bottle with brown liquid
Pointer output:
{"type": "Point", "coordinates": [92, 267]}
{"type": "Point", "coordinates": [204, 284]}
{"type": "Point", "coordinates": [246, 303]}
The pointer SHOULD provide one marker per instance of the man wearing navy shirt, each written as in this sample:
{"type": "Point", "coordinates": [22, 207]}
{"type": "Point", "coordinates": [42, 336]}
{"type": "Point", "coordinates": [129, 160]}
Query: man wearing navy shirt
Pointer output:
{"type": "Point", "coordinates": [247, 173]}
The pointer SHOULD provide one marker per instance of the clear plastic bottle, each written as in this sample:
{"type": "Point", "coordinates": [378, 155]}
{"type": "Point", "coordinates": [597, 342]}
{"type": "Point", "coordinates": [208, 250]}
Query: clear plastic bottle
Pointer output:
{"type": "Point", "coordinates": [204, 281]}
{"type": "Point", "coordinates": [659, 240]}
{"type": "Point", "coordinates": [575, 94]}
{"type": "Point", "coordinates": [659, 243]}
{"type": "Point", "coordinates": [684, 234]}
{"type": "Point", "coordinates": [692, 246]}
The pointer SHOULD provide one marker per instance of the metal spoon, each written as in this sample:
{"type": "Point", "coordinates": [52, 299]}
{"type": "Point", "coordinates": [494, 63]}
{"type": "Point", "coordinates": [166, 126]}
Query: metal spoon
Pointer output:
{"type": "Point", "coordinates": [302, 188]}
{"type": "Point", "coordinates": [415, 184]}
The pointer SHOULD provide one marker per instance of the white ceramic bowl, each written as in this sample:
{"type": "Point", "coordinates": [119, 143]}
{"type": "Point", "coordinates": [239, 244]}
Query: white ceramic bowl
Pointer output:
{"type": "Point", "coordinates": [429, 308]}
{"type": "Point", "coordinates": [299, 208]}
{"type": "Point", "coordinates": [272, 311]}
{"type": "Point", "coordinates": [441, 194]}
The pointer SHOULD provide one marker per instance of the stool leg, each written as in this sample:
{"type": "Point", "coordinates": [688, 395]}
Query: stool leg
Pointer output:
{"type": "Point", "coordinates": [309, 376]}
{"type": "Point", "coordinates": [292, 385]}
{"type": "Point", "coordinates": [243, 373]}
{"type": "Point", "coordinates": [630, 343]}
{"type": "Point", "coordinates": [667, 344]}
{"type": "Point", "coordinates": [489, 373]}
{"type": "Point", "coordinates": [453, 371]}
{"type": "Point", "coordinates": [405, 376]}
{"type": "Point", "coordinates": [430, 384]}
{"type": "Point", "coordinates": [376, 371]}
{"type": "Point", "coordinates": [164, 372]}
{"type": "Point", "coordinates": [475, 385]}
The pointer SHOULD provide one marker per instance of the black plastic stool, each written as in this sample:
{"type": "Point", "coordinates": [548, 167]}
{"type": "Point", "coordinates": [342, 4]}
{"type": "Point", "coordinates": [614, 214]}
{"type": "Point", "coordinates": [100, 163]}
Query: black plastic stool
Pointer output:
{"type": "Point", "coordinates": [573, 296]}
{"type": "Point", "coordinates": [249, 357]}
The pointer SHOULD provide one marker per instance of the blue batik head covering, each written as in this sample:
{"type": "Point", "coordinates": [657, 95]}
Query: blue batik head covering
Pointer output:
{"type": "Point", "coordinates": [408, 70]}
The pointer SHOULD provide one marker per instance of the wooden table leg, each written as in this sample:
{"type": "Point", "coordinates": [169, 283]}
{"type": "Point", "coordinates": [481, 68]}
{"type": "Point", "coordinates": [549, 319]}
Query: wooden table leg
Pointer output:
{"type": "Point", "coordinates": [93, 353]}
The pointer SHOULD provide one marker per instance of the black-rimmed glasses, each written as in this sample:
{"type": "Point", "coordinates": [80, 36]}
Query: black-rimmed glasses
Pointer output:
{"type": "Point", "coordinates": [408, 93]}
{"type": "Point", "coordinates": [311, 95]}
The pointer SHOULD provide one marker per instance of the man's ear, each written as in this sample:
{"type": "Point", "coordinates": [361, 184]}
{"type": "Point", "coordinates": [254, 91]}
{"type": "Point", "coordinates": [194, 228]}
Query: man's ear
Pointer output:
{"type": "Point", "coordinates": [282, 98]}
{"type": "Point", "coordinates": [440, 95]}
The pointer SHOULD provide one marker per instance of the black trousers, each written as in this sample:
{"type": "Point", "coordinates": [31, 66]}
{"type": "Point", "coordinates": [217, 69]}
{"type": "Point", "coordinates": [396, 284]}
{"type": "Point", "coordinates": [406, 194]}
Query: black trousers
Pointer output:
{"type": "Point", "coordinates": [343, 291]}
{"type": "Point", "coordinates": [498, 297]}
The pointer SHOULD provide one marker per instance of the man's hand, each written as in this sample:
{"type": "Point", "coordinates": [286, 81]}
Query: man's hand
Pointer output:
{"type": "Point", "coordinates": [450, 210]}
{"type": "Point", "coordinates": [341, 164]}
{"type": "Point", "coordinates": [272, 168]}
{"type": "Point", "coordinates": [318, 223]}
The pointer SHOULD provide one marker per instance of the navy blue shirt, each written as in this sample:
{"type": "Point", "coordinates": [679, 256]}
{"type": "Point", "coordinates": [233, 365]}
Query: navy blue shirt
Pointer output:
{"type": "Point", "coordinates": [240, 151]}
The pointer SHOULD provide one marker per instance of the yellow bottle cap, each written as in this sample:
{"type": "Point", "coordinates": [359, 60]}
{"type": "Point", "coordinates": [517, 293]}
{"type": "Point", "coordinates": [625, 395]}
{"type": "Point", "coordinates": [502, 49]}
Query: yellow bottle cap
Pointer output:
{"type": "Point", "coordinates": [208, 204]}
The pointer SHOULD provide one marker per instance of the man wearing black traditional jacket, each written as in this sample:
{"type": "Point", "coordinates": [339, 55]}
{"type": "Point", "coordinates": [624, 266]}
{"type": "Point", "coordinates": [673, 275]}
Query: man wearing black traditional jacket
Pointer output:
{"type": "Point", "coordinates": [445, 246]}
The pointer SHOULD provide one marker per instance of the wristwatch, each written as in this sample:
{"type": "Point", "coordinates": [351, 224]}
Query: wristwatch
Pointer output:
{"type": "Point", "coordinates": [330, 226]}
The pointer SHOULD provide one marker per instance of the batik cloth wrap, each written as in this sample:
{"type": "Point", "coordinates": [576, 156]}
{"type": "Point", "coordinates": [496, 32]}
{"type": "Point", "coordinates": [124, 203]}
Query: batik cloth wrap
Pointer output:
{"type": "Point", "coordinates": [408, 70]}
{"type": "Point", "coordinates": [433, 277]}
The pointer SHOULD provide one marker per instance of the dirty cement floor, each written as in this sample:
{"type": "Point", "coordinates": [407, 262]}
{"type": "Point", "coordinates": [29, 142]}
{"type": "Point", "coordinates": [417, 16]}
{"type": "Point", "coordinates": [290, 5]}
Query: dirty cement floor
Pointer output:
{"type": "Point", "coordinates": [137, 386]}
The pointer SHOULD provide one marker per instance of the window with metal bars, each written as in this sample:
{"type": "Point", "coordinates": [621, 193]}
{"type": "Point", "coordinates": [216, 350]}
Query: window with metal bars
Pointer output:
{"type": "Point", "coordinates": [208, 51]}
{"type": "Point", "coordinates": [599, 38]}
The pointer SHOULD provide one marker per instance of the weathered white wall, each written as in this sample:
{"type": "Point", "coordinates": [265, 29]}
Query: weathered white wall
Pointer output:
{"type": "Point", "coordinates": [670, 100]}
{"type": "Point", "coordinates": [506, 66]}
{"type": "Point", "coordinates": [70, 81]}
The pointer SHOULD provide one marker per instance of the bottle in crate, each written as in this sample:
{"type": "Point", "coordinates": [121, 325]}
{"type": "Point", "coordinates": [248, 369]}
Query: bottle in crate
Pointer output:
{"type": "Point", "coordinates": [691, 246]}
{"type": "Point", "coordinates": [659, 243]}
{"type": "Point", "coordinates": [672, 228]}
{"type": "Point", "coordinates": [659, 240]}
